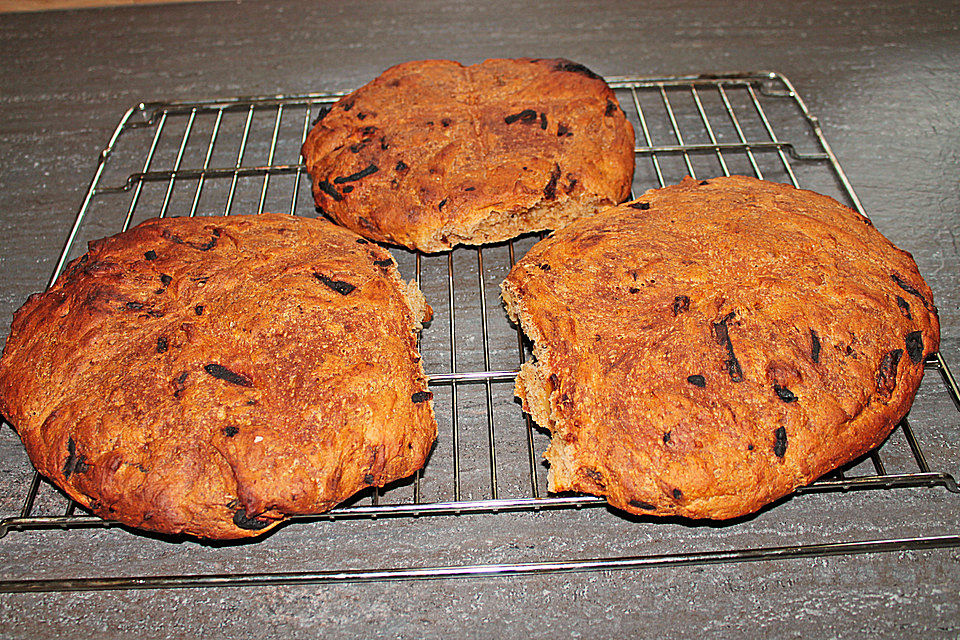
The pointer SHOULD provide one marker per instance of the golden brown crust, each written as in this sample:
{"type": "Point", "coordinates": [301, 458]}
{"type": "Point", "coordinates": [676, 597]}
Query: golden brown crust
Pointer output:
{"type": "Point", "coordinates": [714, 345]}
{"type": "Point", "coordinates": [433, 153]}
{"type": "Point", "coordinates": [211, 376]}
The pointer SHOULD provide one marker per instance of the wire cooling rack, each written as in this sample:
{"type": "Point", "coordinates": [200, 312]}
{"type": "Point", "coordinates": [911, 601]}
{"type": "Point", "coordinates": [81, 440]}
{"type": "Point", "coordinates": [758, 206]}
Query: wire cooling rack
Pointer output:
{"type": "Point", "coordinates": [241, 155]}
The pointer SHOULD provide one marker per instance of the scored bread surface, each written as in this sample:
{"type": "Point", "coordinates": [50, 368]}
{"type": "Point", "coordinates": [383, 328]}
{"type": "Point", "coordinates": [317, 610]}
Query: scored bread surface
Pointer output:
{"type": "Point", "coordinates": [433, 153]}
{"type": "Point", "coordinates": [711, 346]}
{"type": "Point", "coordinates": [211, 376]}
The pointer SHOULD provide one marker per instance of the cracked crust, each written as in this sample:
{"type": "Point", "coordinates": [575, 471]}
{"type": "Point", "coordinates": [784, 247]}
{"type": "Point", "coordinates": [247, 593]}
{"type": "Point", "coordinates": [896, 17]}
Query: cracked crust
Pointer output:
{"type": "Point", "coordinates": [211, 376]}
{"type": "Point", "coordinates": [712, 346]}
{"type": "Point", "coordinates": [432, 154]}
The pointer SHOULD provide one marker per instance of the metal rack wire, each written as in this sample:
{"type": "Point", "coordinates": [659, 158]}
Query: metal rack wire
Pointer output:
{"type": "Point", "coordinates": [217, 157]}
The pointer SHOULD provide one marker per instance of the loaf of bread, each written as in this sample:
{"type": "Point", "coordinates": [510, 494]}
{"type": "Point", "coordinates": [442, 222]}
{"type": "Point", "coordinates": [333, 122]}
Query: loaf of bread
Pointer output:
{"type": "Point", "coordinates": [712, 346]}
{"type": "Point", "coordinates": [432, 154]}
{"type": "Point", "coordinates": [212, 376]}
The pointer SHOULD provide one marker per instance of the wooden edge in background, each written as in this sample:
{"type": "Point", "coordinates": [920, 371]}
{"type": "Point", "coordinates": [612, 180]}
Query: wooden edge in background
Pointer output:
{"type": "Point", "coordinates": [21, 6]}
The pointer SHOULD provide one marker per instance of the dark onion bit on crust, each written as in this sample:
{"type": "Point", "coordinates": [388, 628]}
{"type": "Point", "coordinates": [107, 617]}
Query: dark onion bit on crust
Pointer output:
{"type": "Point", "coordinates": [697, 380]}
{"type": "Point", "coordinates": [666, 437]}
{"type": "Point", "coordinates": [369, 478]}
{"type": "Point", "coordinates": [680, 304]}
{"type": "Point", "coordinates": [165, 279]}
{"type": "Point", "coordinates": [733, 366]}
{"type": "Point", "coordinates": [640, 504]}
{"type": "Point", "coordinates": [575, 67]}
{"type": "Point", "coordinates": [442, 204]}
{"type": "Point", "coordinates": [241, 519]}
{"type": "Point", "coordinates": [780, 442]}
{"type": "Point", "coordinates": [544, 267]}
{"type": "Point", "coordinates": [904, 307]}
{"type": "Point", "coordinates": [222, 373]}
{"type": "Point", "coordinates": [386, 262]}
{"type": "Point", "coordinates": [594, 475]}
{"type": "Point", "coordinates": [74, 463]}
{"type": "Point", "coordinates": [914, 342]}
{"type": "Point", "coordinates": [611, 109]}
{"type": "Point", "coordinates": [704, 182]}
{"type": "Point", "coordinates": [814, 346]}
{"type": "Point", "coordinates": [563, 130]}
{"type": "Point", "coordinates": [445, 122]}
{"type": "Point", "coordinates": [346, 106]}
{"type": "Point", "coordinates": [550, 191]}
{"type": "Point", "coordinates": [230, 431]}
{"type": "Point", "coordinates": [329, 189]}
{"type": "Point", "coordinates": [677, 494]}
{"type": "Point", "coordinates": [723, 337]}
{"type": "Point", "coordinates": [362, 241]}
{"type": "Point", "coordinates": [178, 384]}
{"type": "Point", "coordinates": [348, 188]}
{"type": "Point", "coordinates": [543, 121]}
{"type": "Point", "coordinates": [341, 287]}
{"type": "Point", "coordinates": [421, 396]}
{"type": "Point", "coordinates": [906, 286]}
{"type": "Point", "coordinates": [887, 374]}
{"type": "Point", "coordinates": [361, 115]}
{"type": "Point", "coordinates": [136, 306]}
{"type": "Point", "coordinates": [210, 244]}
{"type": "Point", "coordinates": [150, 255]}
{"type": "Point", "coordinates": [162, 344]}
{"type": "Point", "coordinates": [527, 116]}
{"type": "Point", "coordinates": [198, 309]}
{"type": "Point", "coordinates": [320, 116]}
{"type": "Point", "coordinates": [642, 206]}
{"type": "Point", "coordinates": [363, 173]}
{"type": "Point", "coordinates": [206, 246]}
{"type": "Point", "coordinates": [166, 235]}
{"type": "Point", "coordinates": [784, 394]}
{"type": "Point", "coordinates": [401, 165]}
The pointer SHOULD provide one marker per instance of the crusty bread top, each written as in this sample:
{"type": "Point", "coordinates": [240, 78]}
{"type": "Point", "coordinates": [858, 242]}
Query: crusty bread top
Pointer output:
{"type": "Point", "coordinates": [212, 375]}
{"type": "Point", "coordinates": [433, 153]}
{"type": "Point", "coordinates": [713, 345]}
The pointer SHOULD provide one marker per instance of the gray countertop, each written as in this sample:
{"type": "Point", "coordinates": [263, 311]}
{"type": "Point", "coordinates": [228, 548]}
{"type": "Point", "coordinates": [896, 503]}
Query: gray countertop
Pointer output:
{"type": "Point", "coordinates": [882, 77]}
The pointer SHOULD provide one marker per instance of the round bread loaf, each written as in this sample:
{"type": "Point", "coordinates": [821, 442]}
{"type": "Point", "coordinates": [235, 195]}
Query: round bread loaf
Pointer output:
{"type": "Point", "coordinates": [432, 154]}
{"type": "Point", "coordinates": [712, 346]}
{"type": "Point", "coordinates": [211, 376]}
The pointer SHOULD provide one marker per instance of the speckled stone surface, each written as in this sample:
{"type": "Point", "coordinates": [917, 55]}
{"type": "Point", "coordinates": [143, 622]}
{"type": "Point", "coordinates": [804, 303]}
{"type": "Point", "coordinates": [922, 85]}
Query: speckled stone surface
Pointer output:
{"type": "Point", "coordinates": [882, 77]}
